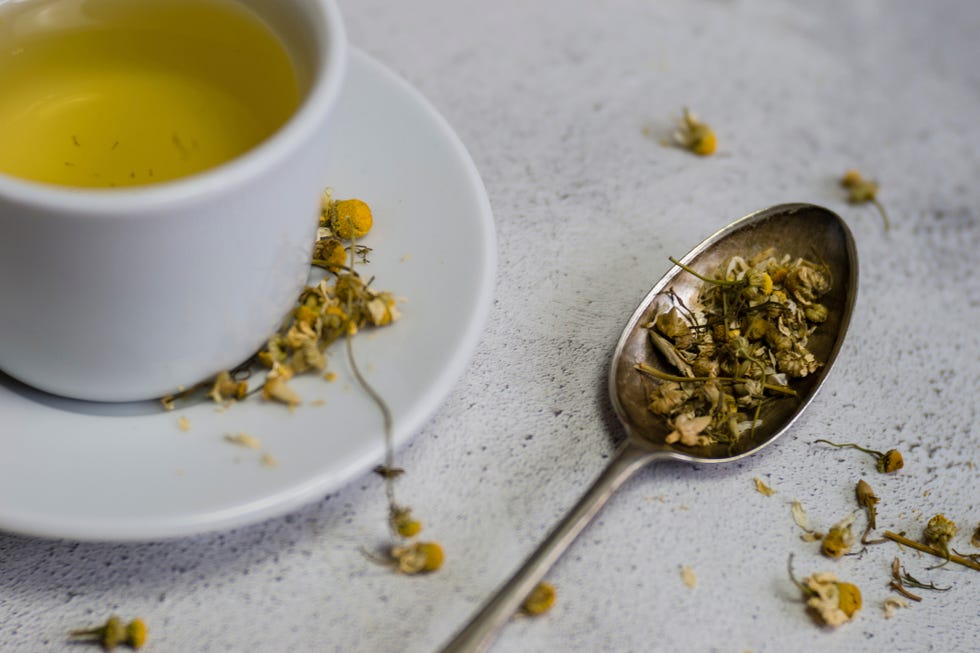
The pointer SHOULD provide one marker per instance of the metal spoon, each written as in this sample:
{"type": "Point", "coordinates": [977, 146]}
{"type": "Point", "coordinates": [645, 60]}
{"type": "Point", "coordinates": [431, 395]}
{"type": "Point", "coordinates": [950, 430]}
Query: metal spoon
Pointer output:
{"type": "Point", "coordinates": [801, 230]}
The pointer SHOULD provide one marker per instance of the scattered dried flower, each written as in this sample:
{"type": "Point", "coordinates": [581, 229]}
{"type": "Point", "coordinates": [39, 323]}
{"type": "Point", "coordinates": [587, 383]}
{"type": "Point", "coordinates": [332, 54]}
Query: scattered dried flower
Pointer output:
{"type": "Point", "coordinates": [867, 499]}
{"type": "Point", "coordinates": [975, 540]}
{"type": "Point", "coordinates": [183, 423]}
{"type": "Point", "coordinates": [861, 190]}
{"type": "Point", "coordinates": [402, 522]}
{"type": "Point", "coordinates": [226, 388]}
{"type": "Point", "coordinates": [888, 462]}
{"type": "Point", "coordinates": [418, 558]}
{"type": "Point", "coordinates": [938, 532]}
{"type": "Point", "coordinates": [694, 135]}
{"type": "Point", "coordinates": [114, 633]}
{"type": "Point", "coordinates": [832, 601]}
{"type": "Point", "coordinates": [762, 488]}
{"type": "Point", "coordinates": [839, 539]}
{"type": "Point", "coordinates": [540, 600]}
{"type": "Point", "coordinates": [268, 460]}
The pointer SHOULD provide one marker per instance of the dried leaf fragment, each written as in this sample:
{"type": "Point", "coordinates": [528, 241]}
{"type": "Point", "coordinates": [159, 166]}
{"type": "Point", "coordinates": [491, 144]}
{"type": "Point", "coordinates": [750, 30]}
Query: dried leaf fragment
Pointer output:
{"type": "Point", "coordinates": [762, 488]}
{"type": "Point", "coordinates": [243, 440]}
{"type": "Point", "coordinates": [803, 521]}
{"type": "Point", "coordinates": [891, 604]}
{"type": "Point", "coordinates": [689, 577]}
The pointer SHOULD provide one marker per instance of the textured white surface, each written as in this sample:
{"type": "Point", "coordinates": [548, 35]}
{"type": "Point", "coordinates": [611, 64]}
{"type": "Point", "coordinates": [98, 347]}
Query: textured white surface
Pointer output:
{"type": "Point", "coordinates": [552, 99]}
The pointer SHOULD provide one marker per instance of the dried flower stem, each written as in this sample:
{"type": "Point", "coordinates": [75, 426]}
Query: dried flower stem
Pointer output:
{"type": "Point", "coordinates": [665, 376]}
{"type": "Point", "coordinates": [925, 548]}
{"type": "Point", "coordinates": [718, 282]}
{"type": "Point", "coordinates": [896, 587]}
{"type": "Point", "coordinates": [884, 216]}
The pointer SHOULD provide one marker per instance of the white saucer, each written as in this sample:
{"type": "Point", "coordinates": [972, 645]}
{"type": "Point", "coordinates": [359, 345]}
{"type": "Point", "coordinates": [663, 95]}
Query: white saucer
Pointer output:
{"type": "Point", "coordinates": [91, 471]}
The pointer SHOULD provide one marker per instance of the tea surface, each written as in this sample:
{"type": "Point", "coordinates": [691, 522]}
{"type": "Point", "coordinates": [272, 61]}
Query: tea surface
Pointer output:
{"type": "Point", "coordinates": [101, 93]}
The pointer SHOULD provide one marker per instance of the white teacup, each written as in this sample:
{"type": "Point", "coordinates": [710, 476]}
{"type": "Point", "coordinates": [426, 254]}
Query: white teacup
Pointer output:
{"type": "Point", "coordinates": [128, 294]}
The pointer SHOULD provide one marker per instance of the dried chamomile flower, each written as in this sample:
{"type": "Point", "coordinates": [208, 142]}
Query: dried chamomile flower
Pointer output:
{"type": "Point", "coordinates": [349, 219]}
{"type": "Point", "coordinates": [114, 633]}
{"type": "Point", "coordinates": [329, 253]}
{"type": "Point", "coordinates": [888, 462]}
{"type": "Point", "coordinates": [277, 389]}
{"type": "Point", "coordinates": [868, 500]}
{"type": "Point", "coordinates": [402, 522]}
{"type": "Point", "coordinates": [665, 397]}
{"type": "Point", "coordinates": [418, 558]}
{"type": "Point", "coordinates": [938, 532]}
{"type": "Point", "coordinates": [832, 601]}
{"type": "Point", "coordinates": [694, 135]}
{"type": "Point", "coordinates": [225, 388]}
{"type": "Point", "coordinates": [736, 348]}
{"type": "Point", "coordinates": [688, 429]}
{"type": "Point", "coordinates": [839, 539]}
{"type": "Point", "coordinates": [861, 190]}
{"type": "Point", "coordinates": [540, 600]}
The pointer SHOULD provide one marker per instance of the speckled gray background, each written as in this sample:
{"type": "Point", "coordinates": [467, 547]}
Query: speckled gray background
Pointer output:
{"type": "Point", "coordinates": [552, 99]}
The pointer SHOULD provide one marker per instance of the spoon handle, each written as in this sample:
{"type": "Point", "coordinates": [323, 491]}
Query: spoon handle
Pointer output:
{"type": "Point", "coordinates": [484, 626]}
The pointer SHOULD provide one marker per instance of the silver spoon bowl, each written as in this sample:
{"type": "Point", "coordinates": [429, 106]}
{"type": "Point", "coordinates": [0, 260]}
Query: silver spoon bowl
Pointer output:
{"type": "Point", "coordinates": [801, 230]}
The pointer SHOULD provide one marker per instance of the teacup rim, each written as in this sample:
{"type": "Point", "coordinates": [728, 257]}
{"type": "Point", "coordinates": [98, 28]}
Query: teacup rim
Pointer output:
{"type": "Point", "coordinates": [327, 83]}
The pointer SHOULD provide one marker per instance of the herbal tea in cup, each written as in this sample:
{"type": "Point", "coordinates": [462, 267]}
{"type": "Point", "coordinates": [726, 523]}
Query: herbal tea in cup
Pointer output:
{"type": "Point", "coordinates": [104, 93]}
{"type": "Point", "coordinates": [161, 167]}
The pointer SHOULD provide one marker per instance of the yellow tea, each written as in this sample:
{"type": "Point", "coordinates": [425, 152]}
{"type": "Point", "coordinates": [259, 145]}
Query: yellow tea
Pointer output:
{"type": "Point", "coordinates": [101, 93]}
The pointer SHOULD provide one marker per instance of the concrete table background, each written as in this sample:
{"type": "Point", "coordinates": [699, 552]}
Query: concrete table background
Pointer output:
{"type": "Point", "coordinates": [556, 100]}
